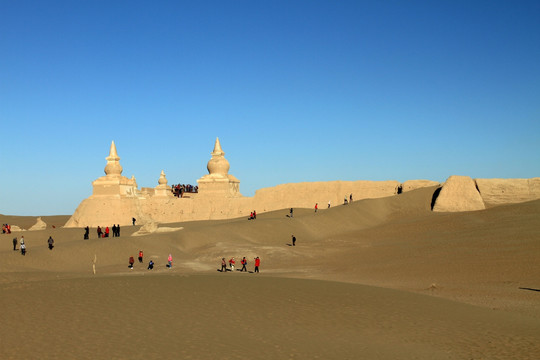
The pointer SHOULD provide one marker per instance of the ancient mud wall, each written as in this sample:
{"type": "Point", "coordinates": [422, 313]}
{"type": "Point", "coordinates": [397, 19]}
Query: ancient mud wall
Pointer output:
{"type": "Point", "coordinates": [507, 191]}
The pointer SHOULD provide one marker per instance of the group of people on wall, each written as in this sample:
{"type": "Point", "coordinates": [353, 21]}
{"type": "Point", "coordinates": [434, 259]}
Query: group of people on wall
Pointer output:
{"type": "Point", "coordinates": [178, 190]}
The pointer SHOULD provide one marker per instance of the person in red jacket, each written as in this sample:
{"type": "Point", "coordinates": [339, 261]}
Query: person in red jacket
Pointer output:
{"type": "Point", "coordinates": [231, 264]}
{"type": "Point", "coordinates": [257, 264]}
{"type": "Point", "coordinates": [140, 256]}
{"type": "Point", "coordinates": [107, 231]}
{"type": "Point", "coordinates": [131, 261]}
{"type": "Point", "coordinates": [244, 263]}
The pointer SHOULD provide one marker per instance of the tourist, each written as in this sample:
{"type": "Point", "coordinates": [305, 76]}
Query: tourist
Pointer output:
{"type": "Point", "coordinates": [107, 232]}
{"type": "Point", "coordinates": [141, 256]}
{"type": "Point", "coordinates": [99, 232]}
{"type": "Point", "coordinates": [350, 198]}
{"type": "Point", "coordinates": [223, 265]}
{"type": "Point", "coordinates": [133, 221]}
{"type": "Point", "coordinates": [257, 264]}
{"type": "Point", "coordinates": [86, 232]}
{"type": "Point", "coordinates": [131, 262]}
{"type": "Point", "coordinates": [244, 263]}
{"type": "Point", "coordinates": [114, 230]}
{"type": "Point", "coordinates": [291, 212]}
{"type": "Point", "coordinates": [50, 242]}
{"type": "Point", "coordinates": [316, 207]}
{"type": "Point", "coordinates": [254, 214]}
{"type": "Point", "coordinates": [231, 264]}
{"type": "Point", "coordinates": [118, 230]}
{"type": "Point", "coordinates": [329, 204]}
{"type": "Point", "coordinates": [250, 216]}
{"type": "Point", "coordinates": [23, 246]}
{"type": "Point", "coordinates": [150, 265]}
{"type": "Point", "coordinates": [293, 240]}
{"type": "Point", "coordinates": [169, 261]}
{"type": "Point", "coordinates": [14, 244]}
{"type": "Point", "coordinates": [345, 201]}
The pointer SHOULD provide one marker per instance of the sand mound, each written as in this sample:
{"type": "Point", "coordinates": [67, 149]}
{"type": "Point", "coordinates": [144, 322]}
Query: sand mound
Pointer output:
{"type": "Point", "coordinates": [39, 225]}
{"type": "Point", "coordinates": [151, 227]}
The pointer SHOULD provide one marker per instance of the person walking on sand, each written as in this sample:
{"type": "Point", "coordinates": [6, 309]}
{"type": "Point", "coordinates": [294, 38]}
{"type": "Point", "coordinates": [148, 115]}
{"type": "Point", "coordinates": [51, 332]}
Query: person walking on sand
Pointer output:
{"type": "Point", "coordinates": [151, 265]}
{"type": "Point", "coordinates": [257, 264]}
{"type": "Point", "coordinates": [291, 213]}
{"type": "Point", "coordinates": [231, 264]}
{"type": "Point", "coordinates": [223, 265]}
{"type": "Point", "coordinates": [99, 232]}
{"type": "Point", "coordinates": [14, 244]}
{"type": "Point", "coordinates": [316, 207]}
{"type": "Point", "coordinates": [329, 204]}
{"type": "Point", "coordinates": [133, 221]}
{"type": "Point", "coordinates": [293, 240]}
{"type": "Point", "coordinates": [141, 256]}
{"type": "Point", "coordinates": [244, 263]}
{"type": "Point", "coordinates": [50, 242]}
{"type": "Point", "coordinates": [131, 262]}
{"type": "Point", "coordinates": [169, 261]}
{"type": "Point", "coordinates": [23, 246]}
{"type": "Point", "coordinates": [86, 232]}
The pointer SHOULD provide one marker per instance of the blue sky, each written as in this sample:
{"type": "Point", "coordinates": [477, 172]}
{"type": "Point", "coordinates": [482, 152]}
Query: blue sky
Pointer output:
{"type": "Point", "coordinates": [295, 90]}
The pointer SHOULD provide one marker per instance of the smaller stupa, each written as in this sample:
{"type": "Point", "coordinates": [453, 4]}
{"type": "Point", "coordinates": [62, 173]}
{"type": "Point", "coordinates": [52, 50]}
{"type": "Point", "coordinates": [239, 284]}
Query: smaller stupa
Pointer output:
{"type": "Point", "coordinates": [163, 189]}
{"type": "Point", "coordinates": [218, 182]}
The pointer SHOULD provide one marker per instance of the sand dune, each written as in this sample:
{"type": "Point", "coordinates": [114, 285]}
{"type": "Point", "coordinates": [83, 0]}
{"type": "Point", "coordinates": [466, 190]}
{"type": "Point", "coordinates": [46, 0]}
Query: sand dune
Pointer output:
{"type": "Point", "coordinates": [376, 279]}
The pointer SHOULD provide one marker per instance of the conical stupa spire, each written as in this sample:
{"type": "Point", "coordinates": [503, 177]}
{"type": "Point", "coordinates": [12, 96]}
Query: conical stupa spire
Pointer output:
{"type": "Point", "coordinates": [112, 153]}
{"type": "Point", "coordinates": [217, 149]}
{"type": "Point", "coordinates": [113, 166]}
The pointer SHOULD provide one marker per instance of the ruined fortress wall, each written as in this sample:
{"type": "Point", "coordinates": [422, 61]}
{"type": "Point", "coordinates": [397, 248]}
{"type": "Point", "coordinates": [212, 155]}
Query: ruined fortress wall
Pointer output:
{"type": "Point", "coordinates": [306, 194]}
{"type": "Point", "coordinates": [105, 211]}
{"type": "Point", "coordinates": [507, 191]}
{"type": "Point", "coordinates": [410, 185]}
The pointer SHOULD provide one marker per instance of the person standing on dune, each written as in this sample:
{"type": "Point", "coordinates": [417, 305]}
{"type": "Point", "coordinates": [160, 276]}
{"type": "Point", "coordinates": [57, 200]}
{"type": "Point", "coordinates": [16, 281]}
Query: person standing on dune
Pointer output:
{"type": "Point", "coordinates": [223, 265]}
{"type": "Point", "coordinates": [14, 244]}
{"type": "Point", "coordinates": [141, 256]}
{"type": "Point", "coordinates": [169, 261]}
{"type": "Point", "coordinates": [257, 264]}
{"type": "Point", "coordinates": [244, 263]}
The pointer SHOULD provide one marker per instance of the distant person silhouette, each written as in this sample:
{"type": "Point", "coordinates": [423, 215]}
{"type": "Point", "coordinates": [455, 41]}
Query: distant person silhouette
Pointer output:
{"type": "Point", "coordinates": [133, 220]}
{"type": "Point", "coordinates": [293, 240]}
{"type": "Point", "coordinates": [14, 244]}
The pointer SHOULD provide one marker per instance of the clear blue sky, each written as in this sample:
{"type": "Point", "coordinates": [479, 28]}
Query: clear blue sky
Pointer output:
{"type": "Point", "coordinates": [295, 90]}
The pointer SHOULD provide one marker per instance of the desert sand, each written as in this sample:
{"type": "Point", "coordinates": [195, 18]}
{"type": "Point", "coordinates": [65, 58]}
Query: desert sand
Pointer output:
{"type": "Point", "coordinates": [379, 278]}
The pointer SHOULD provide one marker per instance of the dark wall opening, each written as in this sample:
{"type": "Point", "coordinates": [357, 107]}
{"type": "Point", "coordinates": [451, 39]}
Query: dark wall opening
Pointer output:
{"type": "Point", "coordinates": [434, 197]}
